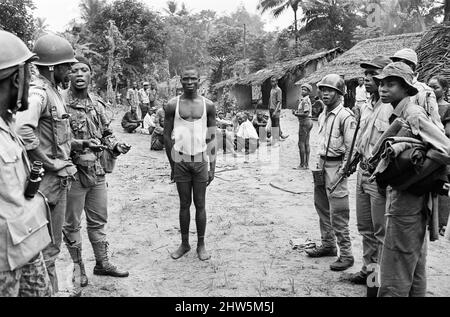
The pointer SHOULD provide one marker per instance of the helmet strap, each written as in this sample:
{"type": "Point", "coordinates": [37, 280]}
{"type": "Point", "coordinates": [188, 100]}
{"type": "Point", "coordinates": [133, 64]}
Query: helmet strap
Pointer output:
{"type": "Point", "coordinates": [21, 89]}
{"type": "Point", "coordinates": [52, 74]}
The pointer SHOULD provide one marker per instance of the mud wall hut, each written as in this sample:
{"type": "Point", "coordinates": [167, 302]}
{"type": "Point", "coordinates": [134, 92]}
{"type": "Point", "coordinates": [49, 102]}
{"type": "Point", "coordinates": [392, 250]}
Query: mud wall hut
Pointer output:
{"type": "Point", "coordinates": [348, 64]}
{"type": "Point", "coordinates": [253, 87]}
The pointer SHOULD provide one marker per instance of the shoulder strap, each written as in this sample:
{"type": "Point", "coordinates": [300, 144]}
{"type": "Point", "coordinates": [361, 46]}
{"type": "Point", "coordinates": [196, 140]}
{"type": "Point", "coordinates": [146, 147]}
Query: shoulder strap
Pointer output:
{"type": "Point", "coordinates": [329, 138]}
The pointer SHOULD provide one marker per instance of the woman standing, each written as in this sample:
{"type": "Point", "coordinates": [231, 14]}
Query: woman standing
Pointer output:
{"type": "Point", "coordinates": [305, 126]}
{"type": "Point", "coordinates": [440, 86]}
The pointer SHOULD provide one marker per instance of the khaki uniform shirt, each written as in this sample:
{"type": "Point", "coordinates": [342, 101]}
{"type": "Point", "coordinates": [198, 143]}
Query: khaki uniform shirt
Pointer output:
{"type": "Point", "coordinates": [14, 170]}
{"type": "Point", "coordinates": [88, 121]}
{"type": "Point", "coordinates": [344, 129]}
{"type": "Point", "coordinates": [422, 125]}
{"type": "Point", "coordinates": [46, 112]}
{"type": "Point", "coordinates": [305, 106]}
{"type": "Point", "coordinates": [374, 122]}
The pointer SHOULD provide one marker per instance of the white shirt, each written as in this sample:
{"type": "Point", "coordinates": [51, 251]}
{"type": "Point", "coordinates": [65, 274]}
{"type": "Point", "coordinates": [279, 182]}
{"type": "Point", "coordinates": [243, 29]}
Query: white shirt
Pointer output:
{"type": "Point", "coordinates": [361, 94]}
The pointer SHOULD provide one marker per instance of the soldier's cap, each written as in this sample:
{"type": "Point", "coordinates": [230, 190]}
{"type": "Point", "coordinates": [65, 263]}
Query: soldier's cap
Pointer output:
{"type": "Point", "coordinates": [146, 83]}
{"type": "Point", "coordinates": [402, 71]}
{"type": "Point", "coordinates": [406, 54]}
{"type": "Point", "coordinates": [307, 86]}
{"type": "Point", "coordinates": [378, 62]}
{"type": "Point", "coordinates": [83, 60]}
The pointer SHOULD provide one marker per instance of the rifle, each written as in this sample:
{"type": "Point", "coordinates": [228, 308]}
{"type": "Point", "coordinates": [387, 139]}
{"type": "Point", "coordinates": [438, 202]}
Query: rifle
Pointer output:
{"type": "Point", "coordinates": [352, 163]}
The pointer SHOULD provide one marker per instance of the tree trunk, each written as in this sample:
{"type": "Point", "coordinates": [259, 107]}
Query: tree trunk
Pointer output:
{"type": "Point", "coordinates": [109, 72]}
{"type": "Point", "coordinates": [296, 29]}
{"type": "Point", "coordinates": [447, 11]}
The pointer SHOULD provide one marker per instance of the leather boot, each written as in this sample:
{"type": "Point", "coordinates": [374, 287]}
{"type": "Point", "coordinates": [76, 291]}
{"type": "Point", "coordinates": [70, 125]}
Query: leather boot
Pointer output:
{"type": "Point", "coordinates": [79, 271]}
{"type": "Point", "coordinates": [103, 267]}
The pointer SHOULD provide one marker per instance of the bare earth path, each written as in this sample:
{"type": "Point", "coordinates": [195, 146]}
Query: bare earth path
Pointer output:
{"type": "Point", "coordinates": [250, 224]}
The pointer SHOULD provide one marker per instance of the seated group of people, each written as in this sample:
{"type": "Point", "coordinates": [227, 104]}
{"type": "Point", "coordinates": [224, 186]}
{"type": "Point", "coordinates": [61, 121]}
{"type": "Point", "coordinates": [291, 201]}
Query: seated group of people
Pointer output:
{"type": "Point", "coordinates": [153, 124]}
{"type": "Point", "coordinates": [240, 132]}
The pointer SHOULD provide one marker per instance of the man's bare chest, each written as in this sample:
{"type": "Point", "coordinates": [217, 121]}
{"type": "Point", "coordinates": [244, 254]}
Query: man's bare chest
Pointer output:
{"type": "Point", "coordinates": [191, 111]}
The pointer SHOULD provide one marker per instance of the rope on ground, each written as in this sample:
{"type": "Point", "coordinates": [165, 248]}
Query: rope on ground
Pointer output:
{"type": "Point", "coordinates": [287, 190]}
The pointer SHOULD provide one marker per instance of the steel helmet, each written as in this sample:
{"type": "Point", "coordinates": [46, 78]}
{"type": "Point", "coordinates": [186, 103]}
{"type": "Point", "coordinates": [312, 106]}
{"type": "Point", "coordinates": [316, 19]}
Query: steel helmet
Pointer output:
{"type": "Point", "coordinates": [406, 54]}
{"type": "Point", "coordinates": [333, 81]}
{"type": "Point", "coordinates": [53, 50]}
{"type": "Point", "coordinates": [13, 51]}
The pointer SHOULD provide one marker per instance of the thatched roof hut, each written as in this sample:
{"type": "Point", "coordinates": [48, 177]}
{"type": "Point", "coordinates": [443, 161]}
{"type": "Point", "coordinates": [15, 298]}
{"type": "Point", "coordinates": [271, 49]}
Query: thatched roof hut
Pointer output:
{"type": "Point", "coordinates": [348, 64]}
{"type": "Point", "coordinates": [280, 69]}
{"type": "Point", "coordinates": [434, 53]}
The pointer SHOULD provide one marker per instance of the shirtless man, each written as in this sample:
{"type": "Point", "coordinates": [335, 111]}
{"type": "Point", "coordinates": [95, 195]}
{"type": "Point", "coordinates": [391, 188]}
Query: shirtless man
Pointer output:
{"type": "Point", "coordinates": [192, 155]}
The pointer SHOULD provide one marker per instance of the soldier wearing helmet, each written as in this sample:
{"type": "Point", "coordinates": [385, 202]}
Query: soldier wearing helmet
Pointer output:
{"type": "Point", "coordinates": [426, 97]}
{"type": "Point", "coordinates": [23, 229]}
{"type": "Point", "coordinates": [337, 127]}
{"type": "Point", "coordinates": [45, 130]}
{"type": "Point", "coordinates": [88, 192]}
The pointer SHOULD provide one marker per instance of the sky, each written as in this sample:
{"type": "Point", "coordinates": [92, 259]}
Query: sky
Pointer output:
{"type": "Point", "coordinates": [58, 13]}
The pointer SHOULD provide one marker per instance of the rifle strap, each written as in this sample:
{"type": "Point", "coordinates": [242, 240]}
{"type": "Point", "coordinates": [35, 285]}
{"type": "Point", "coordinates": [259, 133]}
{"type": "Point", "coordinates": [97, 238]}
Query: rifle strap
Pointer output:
{"type": "Point", "coordinates": [329, 139]}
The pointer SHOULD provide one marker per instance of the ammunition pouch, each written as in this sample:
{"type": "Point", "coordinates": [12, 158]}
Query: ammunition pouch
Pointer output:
{"type": "Point", "coordinates": [108, 161]}
{"type": "Point", "coordinates": [86, 164]}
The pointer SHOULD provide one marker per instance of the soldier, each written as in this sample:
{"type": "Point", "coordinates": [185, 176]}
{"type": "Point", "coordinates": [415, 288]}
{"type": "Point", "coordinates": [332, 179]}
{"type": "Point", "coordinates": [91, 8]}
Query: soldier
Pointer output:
{"type": "Point", "coordinates": [403, 260]}
{"type": "Point", "coordinates": [45, 130]}
{"type": "Point", "coordinates": [303, 114]}
{"type": "Point", "coordinates": [336, 131]}
{"type": "Point", "coordinates": [426, 97]}
{"type": "Point", "coordinates": [370, 201]}
{"type": "Point", "coordinates": [275, 106]}
{"type": "Point", "coordinates": [89, 191]}
{"type": "Point", "coordinates": [23, 229]}
{"type": "Point", "coordinates": [133, 99]}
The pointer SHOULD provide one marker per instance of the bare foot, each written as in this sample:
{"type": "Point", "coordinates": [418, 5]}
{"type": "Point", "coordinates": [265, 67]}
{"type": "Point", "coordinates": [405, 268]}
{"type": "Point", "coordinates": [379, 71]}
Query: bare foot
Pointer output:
{"type": "Point", "coordinates": [182, 250]}
{"type": "Point", "coordinates": [203, 254]}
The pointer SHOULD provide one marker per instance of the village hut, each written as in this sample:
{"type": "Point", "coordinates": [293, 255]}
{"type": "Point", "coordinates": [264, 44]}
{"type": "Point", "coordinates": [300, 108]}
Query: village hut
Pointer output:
{"type": "Point", "coordinates": [348, 64]}
{"type": "Point", "coordinates": [256, 87]}
{"type": "Point", "coordinates": [434, 53]}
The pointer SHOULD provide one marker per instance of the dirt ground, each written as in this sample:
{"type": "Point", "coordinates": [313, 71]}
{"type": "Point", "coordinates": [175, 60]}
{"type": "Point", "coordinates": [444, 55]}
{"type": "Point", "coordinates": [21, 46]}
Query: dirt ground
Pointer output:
{"type": "Point", "coordinates": [250, 225]}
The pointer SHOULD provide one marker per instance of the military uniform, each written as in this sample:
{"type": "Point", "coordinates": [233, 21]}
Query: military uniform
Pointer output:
{"type": "Point", "coordinates": [333, 209]}
{"type": "Point", "coordinates": [88, 191]}
{"type": "Point", "coordinates": [426, 98]}
{"type": "Point", "coordinates": [23, 224]}
{"type": "Point", "coordinates": [370, 203]}
{"type": "Point", "coordinates": [403, 261]}
{"type": "Point", "coordinates": [45, 125]}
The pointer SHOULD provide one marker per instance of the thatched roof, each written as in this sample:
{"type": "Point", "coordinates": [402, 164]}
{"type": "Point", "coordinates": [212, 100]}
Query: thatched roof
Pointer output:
{"type": "Point", "coordinates": [434, 53]}
{"type": "Point", "coordinates": [348, 64]}
{"type": "Point", "coordinates": [278, 70]}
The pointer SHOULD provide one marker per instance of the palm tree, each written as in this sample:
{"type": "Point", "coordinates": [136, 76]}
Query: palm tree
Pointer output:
{"type": "Point", "coordinates": [90, 9]}
{"type": "Point", "coordinates": [41, 27]}
{"type": "Point", "coordinates": [447, 11]}
{"type": "Point", "coordinates": [172, 7]}
{"type": "Point", "coordinates": [280, 6]}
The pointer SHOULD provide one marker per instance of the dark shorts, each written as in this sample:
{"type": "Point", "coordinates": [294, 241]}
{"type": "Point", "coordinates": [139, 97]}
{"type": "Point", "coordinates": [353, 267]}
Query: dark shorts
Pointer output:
{"type": "Point", "coordinates": [305, 128]}
{"type": "Point", "coordinates": [191, 171]}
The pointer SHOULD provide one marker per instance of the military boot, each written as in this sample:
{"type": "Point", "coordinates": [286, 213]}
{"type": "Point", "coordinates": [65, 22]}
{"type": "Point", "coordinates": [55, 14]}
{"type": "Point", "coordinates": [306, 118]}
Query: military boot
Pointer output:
{"type": "Point", "coordinates": [79, 271]}
{"type": "Point", "coordinates": [103, 267]}
{"type": "Point", "coordinates": [321, 251]}
{"type": "Point", "coordinates": [342, 264]}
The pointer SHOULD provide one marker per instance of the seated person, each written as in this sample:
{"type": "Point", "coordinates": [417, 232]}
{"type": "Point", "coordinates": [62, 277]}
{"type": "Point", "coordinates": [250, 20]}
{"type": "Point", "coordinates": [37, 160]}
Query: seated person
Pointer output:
{"type": "Point", "coordinates": [130, 121]}
{"type": "Point", "coordinates": [149, 122]}
{"type": "Point", "coordinates": [260, 123]}
{"type": "Point", "coordinates": [158, 133]}
{"type": "Point", "coordinates": [246, 137]}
